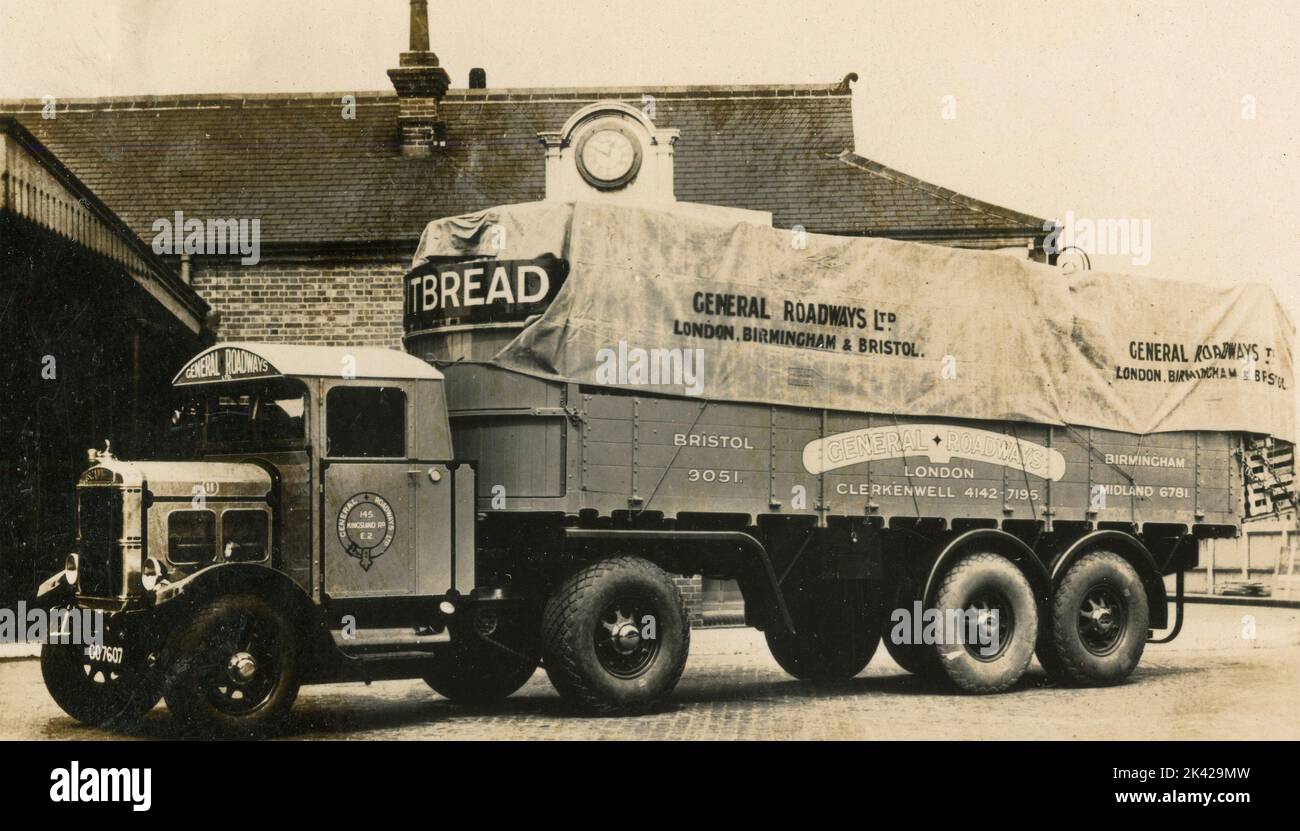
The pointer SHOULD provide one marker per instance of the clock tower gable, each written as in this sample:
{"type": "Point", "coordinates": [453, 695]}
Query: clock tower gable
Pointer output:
{"type": "Point", "coordinates": [612, 151]}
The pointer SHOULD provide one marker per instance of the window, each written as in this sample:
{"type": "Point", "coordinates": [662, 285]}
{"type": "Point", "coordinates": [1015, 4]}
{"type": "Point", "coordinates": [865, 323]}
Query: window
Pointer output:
{"type": "Point", "coordinates": [244, 536]}
{"type": "Point", "coordinates": [267, 413]}
{"type": "Point", "coordinates": [365, 422]}
{"type": "Point", "coordinates": [191, 537]}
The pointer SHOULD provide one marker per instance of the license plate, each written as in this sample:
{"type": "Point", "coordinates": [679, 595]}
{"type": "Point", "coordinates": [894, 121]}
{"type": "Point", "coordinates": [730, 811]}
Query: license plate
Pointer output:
{"type": "Point", "coordinates": [104, 654]}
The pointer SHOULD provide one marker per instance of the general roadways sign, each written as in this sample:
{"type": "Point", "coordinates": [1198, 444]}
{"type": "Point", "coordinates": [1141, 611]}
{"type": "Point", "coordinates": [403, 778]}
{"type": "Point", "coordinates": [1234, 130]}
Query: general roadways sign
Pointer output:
{"type": "Point", "coordinates": [941, 443]}
{"type": "Point", "coordinates": [226, 364]}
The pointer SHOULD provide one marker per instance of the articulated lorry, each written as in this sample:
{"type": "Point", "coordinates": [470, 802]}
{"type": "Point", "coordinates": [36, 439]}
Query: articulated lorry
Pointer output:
{"type": "Point", "coordinates": [595, 398]}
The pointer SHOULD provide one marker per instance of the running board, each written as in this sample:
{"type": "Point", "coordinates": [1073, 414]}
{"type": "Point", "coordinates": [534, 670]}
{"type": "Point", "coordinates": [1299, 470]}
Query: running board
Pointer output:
{"type": "Point", "coordinates": [388, 643]}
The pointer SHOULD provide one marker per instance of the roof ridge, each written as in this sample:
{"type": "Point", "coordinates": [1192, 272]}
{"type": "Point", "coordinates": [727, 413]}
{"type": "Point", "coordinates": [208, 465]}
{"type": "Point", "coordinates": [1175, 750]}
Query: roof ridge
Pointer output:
{"type": "Point", "coordinates": [498, 93]}
{"type": "Point", "coordinates": [939, 192]}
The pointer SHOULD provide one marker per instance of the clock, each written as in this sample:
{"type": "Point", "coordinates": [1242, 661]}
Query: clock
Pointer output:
{"type": "Point", "coordinates": [609, 156]}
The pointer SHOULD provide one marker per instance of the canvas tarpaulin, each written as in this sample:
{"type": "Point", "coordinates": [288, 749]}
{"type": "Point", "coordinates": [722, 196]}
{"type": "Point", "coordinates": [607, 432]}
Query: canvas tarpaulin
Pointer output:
{"type": "Point", "coordinates": [763, 315]}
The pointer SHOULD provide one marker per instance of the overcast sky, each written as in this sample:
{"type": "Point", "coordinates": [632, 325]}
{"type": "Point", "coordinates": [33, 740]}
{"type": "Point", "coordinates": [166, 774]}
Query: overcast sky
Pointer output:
{"type": "Point", "coordinates": [1108, 110]}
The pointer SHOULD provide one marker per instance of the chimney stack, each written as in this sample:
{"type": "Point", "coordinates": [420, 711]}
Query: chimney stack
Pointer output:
{"type": "Point", "coordinates": [420, 83]}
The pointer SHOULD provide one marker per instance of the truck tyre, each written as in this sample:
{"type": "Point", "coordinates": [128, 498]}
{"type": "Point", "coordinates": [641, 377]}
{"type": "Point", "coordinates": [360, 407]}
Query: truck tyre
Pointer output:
{"type": "Point", "coordinates": [1099, 622]}
{"type": "Point", "coordinates": [919, 659]}
{"type": "Point", "coordinates": [980, 584]}
{"type": "Point", "coordinates": [482, 669]}
{"type": "Point", "coordinates": [233, 669]}
{"type": "Point", "coordinates": [99, 694]}
{"type": "Point", "coordinates": [837, 631]}
{"type": "Point", "coordinates": [615, 636]}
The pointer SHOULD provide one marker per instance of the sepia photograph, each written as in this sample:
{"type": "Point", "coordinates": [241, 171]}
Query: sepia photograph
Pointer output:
{"type": "Point", "coordinates": [423, 370]}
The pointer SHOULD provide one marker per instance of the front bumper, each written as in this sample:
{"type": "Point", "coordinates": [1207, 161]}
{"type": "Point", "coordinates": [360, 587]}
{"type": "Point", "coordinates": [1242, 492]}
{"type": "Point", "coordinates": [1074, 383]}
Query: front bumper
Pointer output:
{"type": "Point", "coordinates": [59, 591]}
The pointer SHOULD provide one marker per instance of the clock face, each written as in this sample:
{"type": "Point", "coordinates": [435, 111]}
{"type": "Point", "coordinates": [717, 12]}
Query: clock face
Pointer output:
{"type": "Point", "coordinates": [609, 157]}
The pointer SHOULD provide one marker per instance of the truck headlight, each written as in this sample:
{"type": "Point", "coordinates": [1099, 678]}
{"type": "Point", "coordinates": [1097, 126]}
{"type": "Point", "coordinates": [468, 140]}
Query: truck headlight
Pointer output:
{"type": "Point", "coordinates": [70, 566]}
{"type": "Point", "coordinates": [152, 574]}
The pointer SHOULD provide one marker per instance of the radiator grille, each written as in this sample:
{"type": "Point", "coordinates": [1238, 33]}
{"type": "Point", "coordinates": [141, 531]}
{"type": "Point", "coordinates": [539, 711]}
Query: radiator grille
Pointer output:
{"type": "Point", "coordinates": [99, 535]}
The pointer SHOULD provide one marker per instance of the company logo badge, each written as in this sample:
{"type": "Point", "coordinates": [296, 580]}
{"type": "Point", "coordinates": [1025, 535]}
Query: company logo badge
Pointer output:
{"type": "Point", "coordinates": [940, 443]}
{"type": "Point", "coordinates": [366, 526]}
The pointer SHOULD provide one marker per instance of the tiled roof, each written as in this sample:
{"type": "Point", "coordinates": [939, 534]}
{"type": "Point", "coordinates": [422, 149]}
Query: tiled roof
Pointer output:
{"type": "Point", "coordinates": [312, 176]}
{"type": "Point", "coordinates": [899, 205]}
{"type": "Point", "coordinates": [36, 187]}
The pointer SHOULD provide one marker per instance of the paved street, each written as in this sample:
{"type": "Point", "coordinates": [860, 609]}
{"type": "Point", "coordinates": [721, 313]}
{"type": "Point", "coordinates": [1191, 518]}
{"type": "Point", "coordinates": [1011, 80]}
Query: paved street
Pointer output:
{"type": "Point", "coordinates": [1210, 684]}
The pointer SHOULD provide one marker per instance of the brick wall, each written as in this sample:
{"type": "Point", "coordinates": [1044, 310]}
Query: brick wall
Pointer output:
{"type": "Point", "coordinates": [692, 589]}
{"type": "Point", "coordinates": [333, 303]}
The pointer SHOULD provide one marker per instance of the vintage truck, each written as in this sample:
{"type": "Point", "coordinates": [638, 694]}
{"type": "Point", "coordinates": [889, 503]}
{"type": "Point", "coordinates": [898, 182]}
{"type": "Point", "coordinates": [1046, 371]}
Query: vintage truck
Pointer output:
{"type": "Point", "coordinates": [366, 514]}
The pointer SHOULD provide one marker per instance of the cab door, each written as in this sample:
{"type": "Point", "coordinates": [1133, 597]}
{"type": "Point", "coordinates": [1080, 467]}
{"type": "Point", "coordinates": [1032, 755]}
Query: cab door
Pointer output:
{"type": "Point", "coordinates": [387, 516]}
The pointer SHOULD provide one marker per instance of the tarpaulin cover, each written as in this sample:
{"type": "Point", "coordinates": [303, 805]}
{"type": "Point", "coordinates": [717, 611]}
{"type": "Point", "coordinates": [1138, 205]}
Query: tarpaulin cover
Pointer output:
{"type": "Point", "coordinates": [756, 314]}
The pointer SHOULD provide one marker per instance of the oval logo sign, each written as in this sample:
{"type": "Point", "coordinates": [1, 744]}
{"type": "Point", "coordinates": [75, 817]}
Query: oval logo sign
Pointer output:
{"type": "Point", "coordinates": [941, 443]}
{"type": "Point", "coordinates": [366, 526]}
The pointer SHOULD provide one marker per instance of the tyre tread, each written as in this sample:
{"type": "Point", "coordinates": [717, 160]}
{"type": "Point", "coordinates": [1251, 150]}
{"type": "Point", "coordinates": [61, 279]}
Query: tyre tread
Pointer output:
{"type": "Point", "coordinates": [561, 663]}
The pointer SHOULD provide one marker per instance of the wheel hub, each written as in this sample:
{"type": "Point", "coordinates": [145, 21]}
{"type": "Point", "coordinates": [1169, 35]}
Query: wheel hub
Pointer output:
{"type": "Point", "coordinates": [995, 624]}
{"type": "Point", "coordinates": [1101, 620]}
{"type": "Point", "coordinates": [626, 638]}
{"type": "Point", "coordinates": [242, 667]}
{"type": "Point", "coordinates": [620, 646]}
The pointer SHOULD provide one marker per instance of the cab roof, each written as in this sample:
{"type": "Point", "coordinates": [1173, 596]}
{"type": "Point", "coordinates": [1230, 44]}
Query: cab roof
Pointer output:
{"type": "Point", "coordinates": [239, 360]}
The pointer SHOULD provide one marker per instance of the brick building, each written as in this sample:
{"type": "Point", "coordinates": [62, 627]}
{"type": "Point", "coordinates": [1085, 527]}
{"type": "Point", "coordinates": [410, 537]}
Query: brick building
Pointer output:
{"type": "Point", "coordinates": [342, 184]}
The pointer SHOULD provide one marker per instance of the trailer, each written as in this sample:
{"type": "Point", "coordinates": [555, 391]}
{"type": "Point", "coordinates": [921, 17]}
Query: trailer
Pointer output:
{"type": "Point", "coordinates": [521, 488]}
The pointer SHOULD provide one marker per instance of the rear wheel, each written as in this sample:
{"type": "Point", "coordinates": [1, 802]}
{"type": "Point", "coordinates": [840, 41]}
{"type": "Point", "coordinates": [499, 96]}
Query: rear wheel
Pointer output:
{"type": "Point", "coordinates": [917, 658]}
{"type": "Point", "coordinates": [837, 630]}
{"type": "Point", "coordinates": [99, 693]}
{"type": "Point", "coordinates": [489, 661]}
{"type": "Point", "coordinates": [997, 628]}
{"type": "Point", "coordinates": [233, 669]}
{"type": "Point", "coordinates": [1099, 622]}
{"type": "Point", "coordinates": [920, 659]}
{"type": "Point", "coordinates": [615, 636]}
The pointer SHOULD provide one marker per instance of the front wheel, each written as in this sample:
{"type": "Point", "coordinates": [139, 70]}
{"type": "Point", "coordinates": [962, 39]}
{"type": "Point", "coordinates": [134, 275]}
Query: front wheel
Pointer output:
{"type": "Point", "coordinates": [233, 669]}
{"type": "Point", "coordinates": [488, 662]}
{"type": "Point", "coordinates": [1099, 622]}
{"type": "Point", "coordinates": [615, 636]}
{"type": "Point", "coordinates": [99, 693]}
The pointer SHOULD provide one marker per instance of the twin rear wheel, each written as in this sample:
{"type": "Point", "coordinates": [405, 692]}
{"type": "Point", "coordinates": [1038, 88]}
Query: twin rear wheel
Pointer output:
{"type": "Point", "coordinates": [984, 646]}
{"type": "Point", "coordinates": [982, 628]}
{"type": "Point", "coordinates": [1099, 622]}
{"type": "Point", "coordinates": [614, 636]}
{"type": "Point", "coordinates": [489, 659]}
{"type": "Point", "coordinates": [837, 631]}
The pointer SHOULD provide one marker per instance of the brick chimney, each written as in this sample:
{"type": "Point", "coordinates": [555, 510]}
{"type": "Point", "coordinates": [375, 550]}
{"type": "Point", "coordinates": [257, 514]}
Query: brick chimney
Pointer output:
{"type": "Point", "coordinates": [420, 83]}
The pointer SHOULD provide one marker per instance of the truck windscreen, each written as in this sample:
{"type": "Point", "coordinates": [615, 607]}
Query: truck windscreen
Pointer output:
{"type": "Point", "coordinates": [266, 415]}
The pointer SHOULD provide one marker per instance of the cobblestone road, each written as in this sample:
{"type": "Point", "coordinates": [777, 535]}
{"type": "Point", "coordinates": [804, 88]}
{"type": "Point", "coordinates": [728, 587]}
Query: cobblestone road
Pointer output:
{"type": "Point", "coordinates": [1211, 683]}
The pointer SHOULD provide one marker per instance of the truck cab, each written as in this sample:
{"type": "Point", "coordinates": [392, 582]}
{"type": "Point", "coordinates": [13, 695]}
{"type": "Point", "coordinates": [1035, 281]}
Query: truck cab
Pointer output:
{"type": "Point", "coordinates": [318, 501]}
